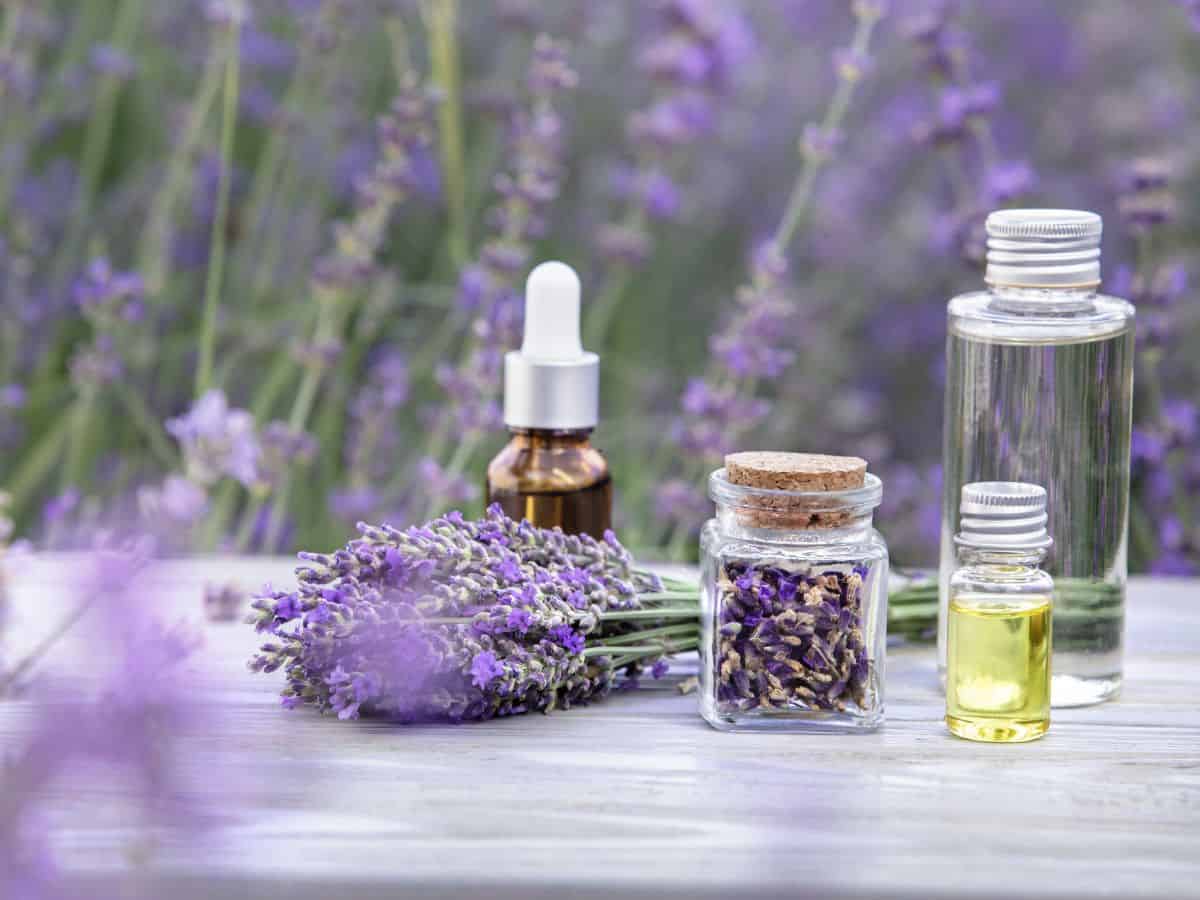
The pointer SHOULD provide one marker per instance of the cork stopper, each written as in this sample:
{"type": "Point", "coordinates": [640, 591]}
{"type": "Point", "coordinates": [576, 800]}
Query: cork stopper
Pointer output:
{"type": "Point", "coordinates": [795, 471]}
{"type": "Point", "coordinates": [792, 484]}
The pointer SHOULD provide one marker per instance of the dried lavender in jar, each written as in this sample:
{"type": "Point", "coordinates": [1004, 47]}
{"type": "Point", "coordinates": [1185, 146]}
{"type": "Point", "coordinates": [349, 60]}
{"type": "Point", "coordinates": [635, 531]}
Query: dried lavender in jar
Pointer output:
{"type": "Point", "coordinates": [791, 637]}
{"type": "Point", "coordinates": [795, 594]}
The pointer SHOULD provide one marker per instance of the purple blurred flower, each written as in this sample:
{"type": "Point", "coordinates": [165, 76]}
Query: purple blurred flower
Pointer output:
{"type": "Point", "coordinates": [676, 500]}
{"type": "Point", "coordinates": [180, 500]}
{"type": "Point", "coordinates": [61, 506]}
{"type": "Point", "coordinates": [282, 450]}
{"type": "Point", "coordinates": [403, 132]}
{"type": "Point", "coordinates": [217, 441]}
{"type": "Point", "coordinates": [103, 291]}
{"type": "Point", "coordinates": [851, 64]}
{"type": "Point", "coordinates": [1144, 199]}
{"type": "Point", "coordinates": [106, 59]}
{"type": "Point", "coordinates": [227, 12]}
{"type": "Point", "coordinates": [437, 482]}
{"type": "Point", "coordinates": [97, 364]}
{"type": "Point", "coordinates": [704, 43]}
{"type": "Point", "coordinates": [129, 717]}
{"type": "Point", "coordinates": [1193, 9]}
{"type": "Point", "coordinates": [1005, 181]}
{"type": "Point", "coordinates": [819, 143]}
{"type": "Point", "coordinates": [12, 396]}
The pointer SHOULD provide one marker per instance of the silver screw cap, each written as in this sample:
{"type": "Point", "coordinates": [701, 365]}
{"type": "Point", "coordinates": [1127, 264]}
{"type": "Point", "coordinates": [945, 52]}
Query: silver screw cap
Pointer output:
{"type": "Point", "coordinates": [1043, 248]}
{"type": "Point", "coordinates": [1004, 515]}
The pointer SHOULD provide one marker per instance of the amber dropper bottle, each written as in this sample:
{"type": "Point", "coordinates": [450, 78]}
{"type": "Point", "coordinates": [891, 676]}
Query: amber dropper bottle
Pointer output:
{"type": "Point", "coordinates": [550, 473]}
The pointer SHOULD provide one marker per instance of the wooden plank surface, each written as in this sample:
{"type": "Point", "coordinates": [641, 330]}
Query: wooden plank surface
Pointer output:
{"type": "Point", "coordinates": [638, 797]}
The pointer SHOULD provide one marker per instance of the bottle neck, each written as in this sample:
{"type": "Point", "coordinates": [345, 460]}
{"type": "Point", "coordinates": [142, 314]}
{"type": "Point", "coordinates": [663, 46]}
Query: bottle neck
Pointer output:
{"type": "Point", "coordinates": [781, 527]}
{"type": "Point", "coordinates": [542, 438]}
{"type": "Point", "coordinates": [1041, 300]}
{"type": "Point", "coordinates": [1024, 557]}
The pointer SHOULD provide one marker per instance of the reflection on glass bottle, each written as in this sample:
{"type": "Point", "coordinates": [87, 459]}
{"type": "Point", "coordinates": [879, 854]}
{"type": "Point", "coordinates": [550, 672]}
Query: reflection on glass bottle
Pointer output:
{"type": "Point", "coordinates": [553, 478]}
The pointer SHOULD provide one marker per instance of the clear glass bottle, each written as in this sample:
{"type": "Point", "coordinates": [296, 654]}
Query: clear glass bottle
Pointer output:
{"type": "Point", "coordinates": [794, 609]}
{"type": "Point", "coordinates": [553, 478]}
{"type": "Point", "coordinates": [999, 619]}
{"type": "Point", "coordinates": [1039, 388]}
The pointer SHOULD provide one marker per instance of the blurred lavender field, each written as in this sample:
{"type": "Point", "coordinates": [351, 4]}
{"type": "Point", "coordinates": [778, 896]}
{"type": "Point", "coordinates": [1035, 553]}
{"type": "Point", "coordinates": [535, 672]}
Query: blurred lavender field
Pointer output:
{"type": "Point", "coordinates": [259, 262]}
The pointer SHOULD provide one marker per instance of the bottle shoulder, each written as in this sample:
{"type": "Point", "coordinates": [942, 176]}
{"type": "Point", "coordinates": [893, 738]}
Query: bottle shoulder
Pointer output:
{"type": "Point", "coordinates": [1053, 318]}
{"type": "Point", "coordinates": [546, 466]}
{"type": "Point", "coordinates": [1014, 579]}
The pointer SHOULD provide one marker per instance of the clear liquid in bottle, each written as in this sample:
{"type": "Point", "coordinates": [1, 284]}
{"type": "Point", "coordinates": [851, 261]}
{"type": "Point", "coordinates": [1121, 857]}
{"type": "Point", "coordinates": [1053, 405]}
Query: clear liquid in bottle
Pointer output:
{"type": "Point", "coordinates": [1040, 389]}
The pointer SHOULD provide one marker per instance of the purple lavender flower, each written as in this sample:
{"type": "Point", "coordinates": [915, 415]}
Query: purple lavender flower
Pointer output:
{"type": "Point", "coordinates": [217, 441]}
{"type": "Point", "coordinates": [402, 133]}
{"type": "Point", "coordinates": [567, 636]}
{"type": "Point", "coordinates": [433, 622]}
{"type": "Point", "coordinates": [485, 669]}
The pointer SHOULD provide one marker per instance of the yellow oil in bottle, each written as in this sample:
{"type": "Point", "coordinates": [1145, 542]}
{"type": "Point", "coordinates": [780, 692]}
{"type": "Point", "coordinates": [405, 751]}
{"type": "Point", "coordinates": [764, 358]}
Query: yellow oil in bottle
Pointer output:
{"type": "Point", "coordinates": [998, 667]}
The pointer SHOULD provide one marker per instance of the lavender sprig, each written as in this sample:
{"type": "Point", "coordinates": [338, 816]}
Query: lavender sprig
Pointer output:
{"type": "Point", "coordinates": [691, 58]}
{"type": "Point", "coordinates": [466, 620]}
{"type": "Point", "coordinates": [753, 343]}
{"type": "Point", "coordinates": [1164, 532]}
{"type": "Point", "coordinates": [487, 286]}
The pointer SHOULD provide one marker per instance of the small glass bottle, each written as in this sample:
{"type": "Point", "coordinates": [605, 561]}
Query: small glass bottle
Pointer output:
{"type": "Point", "coordinates": [553, 478]}
{"type": "Point", "coordinates": [794, 596]}
{"type": "Point", "coordinates": [999, 618]}
{"type": "Point", "coordinates": [1039, 389]}
{"type": "Point", "coordinates": [549, 473]}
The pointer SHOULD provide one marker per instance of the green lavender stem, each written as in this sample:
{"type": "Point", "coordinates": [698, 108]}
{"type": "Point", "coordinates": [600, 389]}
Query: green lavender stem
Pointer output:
{"type": "Point", "coordinates": [835, 113]}
{"type": "Point", "coordinates": [441, 18]}
{"type": "Point", "coordinates": [155, 254]}
{"type": "Point", "coordinates": [40, 461]}
{"type": "Point", "coordinates": [220, 226]}
{"type": "Point", "coordinates": [97, 141]}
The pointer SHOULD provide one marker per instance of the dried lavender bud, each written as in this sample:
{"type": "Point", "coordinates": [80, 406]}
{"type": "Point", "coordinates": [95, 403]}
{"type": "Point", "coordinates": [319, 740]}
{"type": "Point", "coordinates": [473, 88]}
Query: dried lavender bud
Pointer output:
{"type": "Point", "coordinates": [791, 639]}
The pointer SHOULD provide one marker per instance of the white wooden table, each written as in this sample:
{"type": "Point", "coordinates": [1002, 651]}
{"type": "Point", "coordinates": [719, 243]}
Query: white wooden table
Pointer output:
{"type": "Point", "coordinates": [638, 797]}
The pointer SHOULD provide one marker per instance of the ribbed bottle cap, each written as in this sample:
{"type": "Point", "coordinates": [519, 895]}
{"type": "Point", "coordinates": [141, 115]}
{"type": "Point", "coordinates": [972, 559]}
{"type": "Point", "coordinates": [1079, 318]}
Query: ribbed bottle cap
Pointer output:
{"type": "Point", "coordinates": [1043, 248]}
{"type": "Point", "coordinates": [1005, 515]}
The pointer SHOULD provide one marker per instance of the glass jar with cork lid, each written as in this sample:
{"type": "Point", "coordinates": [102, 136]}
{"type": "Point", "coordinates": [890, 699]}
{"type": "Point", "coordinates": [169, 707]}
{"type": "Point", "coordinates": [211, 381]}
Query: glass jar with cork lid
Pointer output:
{"type": "Point", "coordinates": [794, 595]}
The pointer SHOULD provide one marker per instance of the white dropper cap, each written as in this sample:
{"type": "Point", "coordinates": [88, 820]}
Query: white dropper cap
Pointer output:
{"type": "Point", "coordinates": [551, 382]}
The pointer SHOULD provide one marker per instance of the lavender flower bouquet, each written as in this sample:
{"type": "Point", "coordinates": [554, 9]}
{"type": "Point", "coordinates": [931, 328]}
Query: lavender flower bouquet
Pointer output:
{"type": "Point", "coordinates": [466, 620]}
